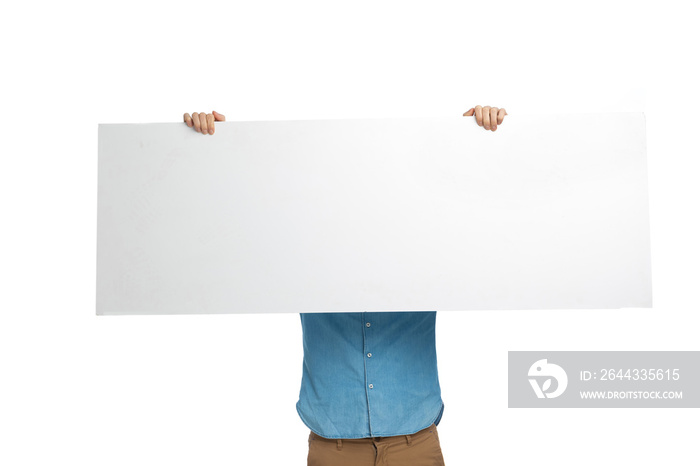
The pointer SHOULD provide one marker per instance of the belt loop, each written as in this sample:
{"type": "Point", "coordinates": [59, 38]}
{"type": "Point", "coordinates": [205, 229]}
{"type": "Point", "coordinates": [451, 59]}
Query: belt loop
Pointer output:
{"type": "Point", "coordinates": [340, 444]}
{"type": "Point", "coordinates": [408, 439]}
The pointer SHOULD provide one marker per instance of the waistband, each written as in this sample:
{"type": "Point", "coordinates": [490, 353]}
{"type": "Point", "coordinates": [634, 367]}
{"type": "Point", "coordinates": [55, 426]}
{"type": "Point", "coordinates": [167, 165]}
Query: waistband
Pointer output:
{"type": "Point", "coordinates": [385, 440]}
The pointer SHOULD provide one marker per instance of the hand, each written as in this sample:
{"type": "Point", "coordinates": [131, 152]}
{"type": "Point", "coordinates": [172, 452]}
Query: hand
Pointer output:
{"type": "Point", "coordinates": [488, 117]}
{"type": "Point", "coordinates": [203, 122]}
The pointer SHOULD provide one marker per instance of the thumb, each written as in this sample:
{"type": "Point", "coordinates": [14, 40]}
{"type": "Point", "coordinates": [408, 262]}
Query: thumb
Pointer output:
{"type": "Point", "coordinates": [218, 116]}
{"type": "Point", "coordinates": [469, 112]}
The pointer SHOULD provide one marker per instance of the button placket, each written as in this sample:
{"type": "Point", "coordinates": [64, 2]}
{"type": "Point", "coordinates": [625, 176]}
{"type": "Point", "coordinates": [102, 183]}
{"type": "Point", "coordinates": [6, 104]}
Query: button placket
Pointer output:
{"type": "Point", "coordinates": [368, 354]}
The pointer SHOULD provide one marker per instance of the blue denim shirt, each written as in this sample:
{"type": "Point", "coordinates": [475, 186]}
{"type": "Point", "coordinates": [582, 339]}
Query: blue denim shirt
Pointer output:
{"type": "Point", "coordinates": [369, 374]}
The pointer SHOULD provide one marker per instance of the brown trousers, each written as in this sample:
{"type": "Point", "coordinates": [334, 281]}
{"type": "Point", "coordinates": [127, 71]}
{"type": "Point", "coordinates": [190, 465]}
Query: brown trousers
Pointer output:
{"type": "Point", "coordinates": [419, 449]}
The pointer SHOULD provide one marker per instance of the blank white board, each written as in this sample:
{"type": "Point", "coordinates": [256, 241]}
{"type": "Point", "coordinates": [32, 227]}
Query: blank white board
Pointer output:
{"type": "Point", "coordinates": [405, 214]}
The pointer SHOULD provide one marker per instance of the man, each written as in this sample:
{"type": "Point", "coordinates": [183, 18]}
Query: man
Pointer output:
{"type": "Point", "coordinates": [370, 392]}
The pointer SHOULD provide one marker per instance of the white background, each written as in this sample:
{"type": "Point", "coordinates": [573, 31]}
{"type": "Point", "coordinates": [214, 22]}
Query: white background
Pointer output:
{"type": "Point", "coordinates": [220, 389]}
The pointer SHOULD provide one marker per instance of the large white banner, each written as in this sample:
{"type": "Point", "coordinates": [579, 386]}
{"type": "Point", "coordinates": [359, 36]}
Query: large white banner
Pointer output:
{"type": "Point", "coordinates": [409, 214]}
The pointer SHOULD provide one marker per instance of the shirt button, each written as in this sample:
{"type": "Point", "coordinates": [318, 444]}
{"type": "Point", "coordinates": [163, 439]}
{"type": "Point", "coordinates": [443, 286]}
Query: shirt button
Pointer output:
{"type": "Point", "coordinates": [371, 386]}
{"type": "Point", "coordinates": [367, 324]}
{"type": "Point", "coordinates": [369, 355]}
